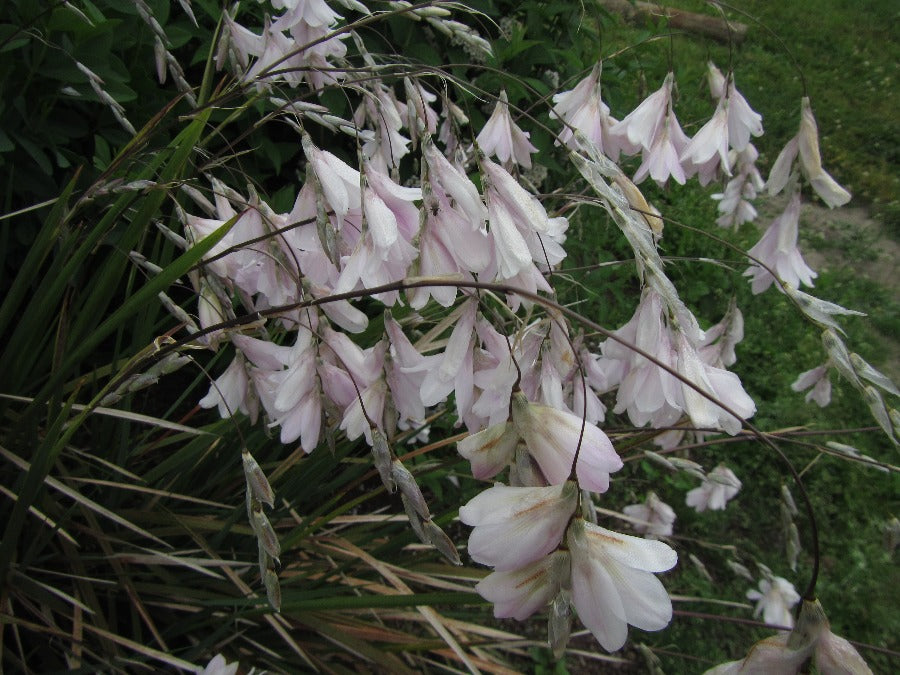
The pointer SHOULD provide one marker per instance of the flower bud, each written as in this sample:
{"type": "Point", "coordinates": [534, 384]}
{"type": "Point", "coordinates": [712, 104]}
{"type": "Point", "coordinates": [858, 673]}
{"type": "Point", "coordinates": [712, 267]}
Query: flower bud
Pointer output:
{"type": "Point", "coordinates": [442, 542]}
{"type": "Point", "coordinates": [381, 451]}
{"type": "Point", "coordinates": [415, 520]}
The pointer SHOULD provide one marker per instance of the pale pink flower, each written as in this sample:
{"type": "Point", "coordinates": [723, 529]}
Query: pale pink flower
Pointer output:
{"type": "Point", "coordinates": [735, 202]}
{"type": "Point", "coordinates": [382, 109]}
{"type": "Point", "coordinates": [774, 600]}
{"type": "Point", "coordinates": [778, 249]}
{"type": "Point", "coordinates": [519, 593]}
{"type": "Point", "coordinates": [496, 373]}
{"type": "Point", "coordinates": [291, 396]}
{"type": "Point", "coordinates": [707, 152]}
{"type": "Point", "coordinates": [490, 450]}
{"type": "Point", "coordinates": [836, 656]}
{"type": "Point", "coordinates": [519, 225]}
{"type": "Point", "coordinates": [660, 160]}
{"type": "Point", "coordinates": [313, 12]}
{"type": "Point", "coordinates": [743, 121]}
{"type": "Point", "coordinates": [421, 116]}
{"type": "Point", "coordinates": [719, 486]}
{"type": "Point", "coordinates": [553, 436]}
{"type": "Point", "coordinates": [501, 136]}
{"type": "Point", "coordinates": [641, 127]}
{"type": "Point", "coordinates": [452, 369]}
{"type": "Point", "coordinates": [806, 145]}
{"type": "Point", "coordinates": [811, 160]}
{"type": "Point", "coordinates": [818, 379]}
{"type": "Point", "coordinates": [654, 517]}
{"type": "Point", "coordinates": [365, 410]}
{"type": "Point", "coordinates": [583, 110]}
{"type": "Point", "coordinates": [447, 178]}
{"type": "Point", "coordinates": [339, 182]}
{"type": "Point", "coordinates": [718, 342]}
{"type": "Point", "coordinates": [613, 582]}
{"type": "Point", "coordinates": [219, 666]}
{"type": "Point", "coordinates": [403, 376]}
{"type": "Point", "coordinates": [318, 66]}
{"type": "Point", "coordinates": [278, 55]}
{"type": "Point", "coordinates": [516, 526]}
{"type": "Point", "coordinates": [720, 384]}
{"type": "Point", "coordinates": [230, 392]}
{"type": "Point", "coordinates": [647, 392]}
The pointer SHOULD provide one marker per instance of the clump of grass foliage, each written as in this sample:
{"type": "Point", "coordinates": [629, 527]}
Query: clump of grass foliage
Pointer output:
{"type": "Point", "coordinates": [126, 546]}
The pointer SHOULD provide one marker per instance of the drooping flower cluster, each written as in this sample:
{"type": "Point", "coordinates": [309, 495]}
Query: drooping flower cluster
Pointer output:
{"type": "Point", "coordinates": [541, 551]}
{"type": "Point", "coordinates": [523, 384]}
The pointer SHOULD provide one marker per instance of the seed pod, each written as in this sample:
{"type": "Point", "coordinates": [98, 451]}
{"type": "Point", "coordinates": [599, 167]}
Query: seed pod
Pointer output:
{"type": "Point", "coordinates": [793, 546]}
{"type": "Point", "coordinates": [878, 409]}
{"type": "Point", "coordinates": [700, 567]}
{"type": "Point", "coordinates": [788, 500]}
{"type": "Point", "coordinates": [409, 489]}
{"type": "Point", "coordinates": [659, 459]}
{"type": "Point", "coordinates": [257, 483]}
{"type": "Point", "coordinates": [264, 531]}
{"type": "Point", "coordinates": [740, 570]}
{"type": "Point", "coordinates": [415, 520]}
{"type": "Point", "coordinates": [692, 468]}
{"type": "Point", "coordinates": [381, 451]}
{"type": "Point", "coordinates": [442, 542]}
{"type": "Point", "coordinates": [273, 589]}
{"type": "Point", "coordinates": [876, 377]}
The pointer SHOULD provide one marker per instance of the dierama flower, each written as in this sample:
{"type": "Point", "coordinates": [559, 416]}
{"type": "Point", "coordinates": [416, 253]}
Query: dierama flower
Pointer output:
{"type": "Point", "coordinates": [501, 136]}
{"type": "Point", "coordinates": [806, 144]}
{"type": "Point", "coordinates": [641, 127]}
{"type": "Point", "coordinates": [720, 486]}
{"type": "Point", "coordinates": [654, 518]}
{"type": "Point", "coordinates": [516, 526]}
{"type": "Point", "coordinates": [552, 437]}
{"type": "Point", "coordinates": [778, 250]}
{"type": "Point", "coordinates": [613, 583]}
{"type": "Point", "coordinates": [818, 379]}
{"type": "Point", "coordinates": [774, 600]}
{"type": "Point", "coordinates": [521, 592]}
{"type": "Point", "coordinates": [583, 110]}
